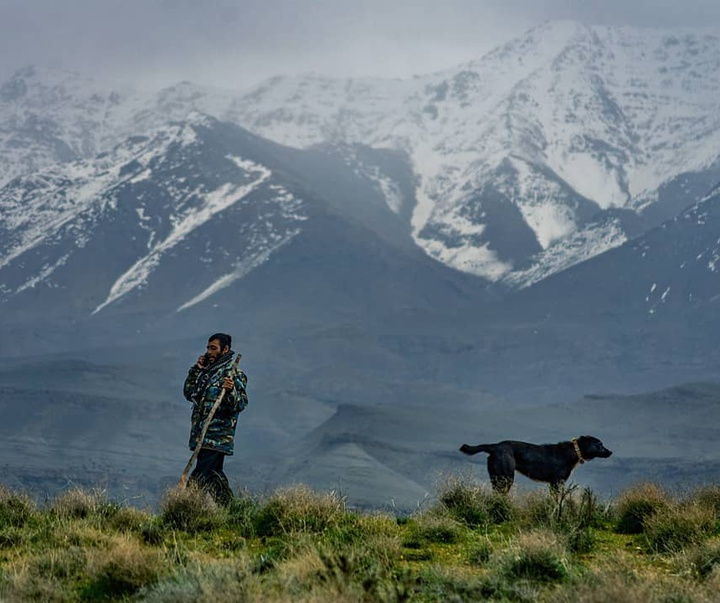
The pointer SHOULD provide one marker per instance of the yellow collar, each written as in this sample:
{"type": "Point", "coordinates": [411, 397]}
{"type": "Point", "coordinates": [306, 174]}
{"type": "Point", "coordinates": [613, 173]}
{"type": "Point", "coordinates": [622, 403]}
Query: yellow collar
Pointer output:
{"type": "Point", "coordinates": [577, 451]}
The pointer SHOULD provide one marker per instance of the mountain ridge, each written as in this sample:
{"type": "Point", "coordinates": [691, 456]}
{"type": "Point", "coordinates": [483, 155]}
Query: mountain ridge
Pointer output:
{"type": "Point", "coordinates": [517, 158]}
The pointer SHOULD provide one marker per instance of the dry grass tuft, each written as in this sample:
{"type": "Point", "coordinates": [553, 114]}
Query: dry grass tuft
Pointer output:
{"type": "Point", "coordinates": [610, 586]}
{"type": "Point", "coordinates": [22, 584]}
{"type": "Point", "coordinates": [706, 496]}
{"type": "Point", "coordinates": [702, 561]}
{"type": "Point", "coordinates": [129, 519]}
{"type": "Point", "coordinates": [479, 553]}
{"type": "Point", "coordinates": [78, 504]}
{"type": "Point", "coordinates": [621, 580]}
{"type": "Point", "coordinates": [190, 509]}
{"type": "Point", "coordinates": [674, 528]}
{"type": "Point", "coordinates": [472, 503]}
{"type": "Point", "coordinates": [15, 508]}
{"type": "Point", "coordinates": [636, 505]}
{"type": "Point", "coordinates": [123, 567]}
{"type": "Point", "coordinates": [41, 576]}
{"type": "Point", "coordinates": [208, 582]}
{"type": "Point", "coordinates": [537, 556]}
{"type": "Point", "coordinates": [435, 527]}
{"type": "Point", "coordinates": [299, 510]}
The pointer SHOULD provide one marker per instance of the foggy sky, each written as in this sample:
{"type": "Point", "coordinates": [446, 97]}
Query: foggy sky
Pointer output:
{"type": "Point", "coordinates": [237, 43]}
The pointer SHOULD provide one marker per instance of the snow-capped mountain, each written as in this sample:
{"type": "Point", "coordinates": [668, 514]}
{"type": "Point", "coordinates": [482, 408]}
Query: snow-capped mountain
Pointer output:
{"type": "Point", "coordinates": [117, 225]}
{"type": "Point", "coordinates": [642, 315]}
{"type": "Point", "coordinates": [49, 117]}
{"type": "Point", "coordinates": [671, 271]}
{"type": "Point", "coordinates": [184, 219]}
{"type": "Point", "coordinates": [547, 151]}
{"type": "Point", "coordinates": [520, 154]}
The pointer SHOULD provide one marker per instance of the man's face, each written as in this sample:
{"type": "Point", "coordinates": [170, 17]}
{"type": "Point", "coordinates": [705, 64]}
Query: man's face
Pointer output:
{"type": "Point", "coordinates": [214, 351]}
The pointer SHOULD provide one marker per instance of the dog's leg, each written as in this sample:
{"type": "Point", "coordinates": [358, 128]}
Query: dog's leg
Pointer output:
{"type": "Point", "coordinates": [502, 472]}
{"type": "Point", "coordinates": [556, 486]}
{"type": "Point", "coordinates": [501, 484]}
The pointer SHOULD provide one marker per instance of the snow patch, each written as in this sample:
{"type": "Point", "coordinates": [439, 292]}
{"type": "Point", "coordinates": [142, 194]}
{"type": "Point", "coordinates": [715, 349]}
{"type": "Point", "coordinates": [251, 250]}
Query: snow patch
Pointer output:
{"type": "Point", "coordinates": [578, 247]}
{"type": "Point", "coordinates": [246, 266]}
{"type": "Point", "coordinates": [144, 175]}
{"type": "Point", "coordinates": [214, 202]}
{"type": "Point", "coordinates": [43, 274]}
{"type": "Point", "coordinates": [480, 261]}
{"type": "Point", "coordinates": [549, 219]}
{"type": "Point", "coordinates": [591, 179]}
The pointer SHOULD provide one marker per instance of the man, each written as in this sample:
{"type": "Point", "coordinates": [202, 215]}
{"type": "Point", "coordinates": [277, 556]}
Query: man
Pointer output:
{"type": "Point", "coordinates": [206, 379]}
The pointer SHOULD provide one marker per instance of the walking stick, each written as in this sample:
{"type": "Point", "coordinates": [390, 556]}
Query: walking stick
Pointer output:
{"type": "Point", "coordinates": [201, 439]}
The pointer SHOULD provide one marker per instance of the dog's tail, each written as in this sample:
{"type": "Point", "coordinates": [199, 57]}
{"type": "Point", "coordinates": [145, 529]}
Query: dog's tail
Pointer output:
{"type": "Point", "coordinates": [467, 449]}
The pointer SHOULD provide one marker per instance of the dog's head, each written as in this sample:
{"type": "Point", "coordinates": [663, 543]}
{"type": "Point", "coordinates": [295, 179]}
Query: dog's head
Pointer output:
{"type": "Point", "coordinates": [592, 448]}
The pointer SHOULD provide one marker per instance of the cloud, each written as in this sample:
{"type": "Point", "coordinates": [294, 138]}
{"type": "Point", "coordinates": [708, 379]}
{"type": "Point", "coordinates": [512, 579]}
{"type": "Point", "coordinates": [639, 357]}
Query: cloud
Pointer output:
{"type": "Point", "coordinates": [238, 42]}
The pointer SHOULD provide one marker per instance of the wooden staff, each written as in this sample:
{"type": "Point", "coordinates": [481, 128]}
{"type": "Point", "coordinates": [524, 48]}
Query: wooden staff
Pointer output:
{"type": "Point", "coordinates": [201, 439]}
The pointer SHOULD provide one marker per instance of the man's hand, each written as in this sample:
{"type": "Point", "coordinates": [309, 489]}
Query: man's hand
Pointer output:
{"type": "Point", "coordinates": [228, 383]}
{"type": "Point", "coordinates": [201, 361]}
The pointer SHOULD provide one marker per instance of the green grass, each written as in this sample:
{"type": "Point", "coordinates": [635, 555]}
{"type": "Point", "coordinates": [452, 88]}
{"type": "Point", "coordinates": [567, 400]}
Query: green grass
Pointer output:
{"type": "Point", "coordinates": [300, 545]}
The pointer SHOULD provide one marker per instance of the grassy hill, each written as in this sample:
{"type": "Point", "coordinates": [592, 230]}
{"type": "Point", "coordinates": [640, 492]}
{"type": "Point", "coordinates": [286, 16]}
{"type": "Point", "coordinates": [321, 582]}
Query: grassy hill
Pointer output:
{"type": "Point", "coordinates": [297, 544]}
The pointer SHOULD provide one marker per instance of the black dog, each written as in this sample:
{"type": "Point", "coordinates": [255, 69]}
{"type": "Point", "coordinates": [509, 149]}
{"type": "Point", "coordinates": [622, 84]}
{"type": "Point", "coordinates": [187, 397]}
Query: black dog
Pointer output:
{"type": "Point", "coordinates": [551, 463]}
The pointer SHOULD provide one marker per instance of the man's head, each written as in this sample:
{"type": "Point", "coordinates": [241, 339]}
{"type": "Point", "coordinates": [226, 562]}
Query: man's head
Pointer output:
{"type": "Point", "coordinates": [218, 345]}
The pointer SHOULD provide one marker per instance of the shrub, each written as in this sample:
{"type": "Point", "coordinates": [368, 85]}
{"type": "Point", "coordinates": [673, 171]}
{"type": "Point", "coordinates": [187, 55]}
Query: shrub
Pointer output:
{"type": "Point", "coordinates": [567, 512]}
{"type": "Point", "coordinates": [302, 572]}
{"type": "Point", "coordinates": [578, 520]}
{"type": "Point", "coordinates": [299, 510]}
{"type": "Point", "coordinates": [42, 576]}
{"type": "Point", "coordinates": [355, 573]}
{"type": "Point", "coordinates": [536, 509]}
{"type": "Point", "coordinates": [672, 529]}
{"type": "Point", "coordinates": [360, 528]}
{"type": "Point", "coordinates": [15, 508]}
{"type": "Point", "coordinates": [704, 559]}
{"type": "Point", "coordinates": [535, 556]}
{"type": "Point", "coordinates": [339, 564]}
{"type": "Point", "coordinates": [434, 527]}
{"type": "Point", "coordinates": [241, 513]}
{"type": "Point", "coordinates": [478, 553]}
{"type": "Point", "coordinates": [708, 497]}
{"type": "Point", "coordinates": [610, 585]}
{"type": "Point", "coordinates": [441, 585]}
{"type": "Point", "coordinates": [62, 563]}
{"type": "Point", "coordinates": [473, 504]}
{"type": "Point", "coordinates": [122, 569]}
{"type": "Point", "coordinates": [152, 531]}
{"type": "Point", "coordinates": [635, 506]}
{"type": "Point", "coordinates": [275, 551]}
{"type": "Point", "coordinates": [206, 583]}
{"type": "Point", "coordinates": [129, 519]}
{"type": "Point", "coordinates": [190, 509]}
{"type": "Point", "coordinates": [11, 536]}
{"type": "Point", "coordinates": [29, 586]}
{"type": "Point", "coordinates": [77, 503]}
{"type": "Point", "coordinates": [373, 539]}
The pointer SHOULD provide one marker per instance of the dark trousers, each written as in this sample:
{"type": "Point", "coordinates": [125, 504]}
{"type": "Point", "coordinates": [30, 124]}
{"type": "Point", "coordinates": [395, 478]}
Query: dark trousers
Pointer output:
{"type": "Point", "coordinates": [208, 475]}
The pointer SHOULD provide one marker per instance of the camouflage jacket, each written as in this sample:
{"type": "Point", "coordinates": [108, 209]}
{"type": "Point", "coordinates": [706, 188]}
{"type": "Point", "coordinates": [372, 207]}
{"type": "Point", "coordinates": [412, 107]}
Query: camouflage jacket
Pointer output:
{"type": "Point", "coordinates": [202, 388]}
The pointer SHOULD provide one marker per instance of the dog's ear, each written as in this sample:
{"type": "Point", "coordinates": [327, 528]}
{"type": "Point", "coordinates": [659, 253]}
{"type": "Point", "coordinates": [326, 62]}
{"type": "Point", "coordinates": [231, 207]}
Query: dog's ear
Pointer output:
{"type": "Point", "coordinates": [588, 440]}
